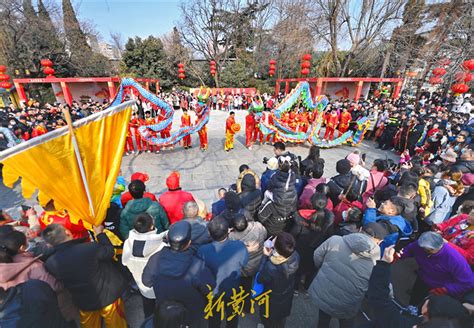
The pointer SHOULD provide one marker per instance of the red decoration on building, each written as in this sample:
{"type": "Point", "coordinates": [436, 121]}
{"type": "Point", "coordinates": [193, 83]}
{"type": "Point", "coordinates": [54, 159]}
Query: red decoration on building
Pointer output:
{"type": "Point", "coordinates": [439, 71]}
{"type": "Point", "coordinates": [3, 68]}
{"type": "Point", "coordinates": [306, 64]}
{"type": "Point", "coordinates": [305, 71]}
{"type": "Point", "coordinates": [435, 80]}
{"type": "Point", "coordinates": [468, 64]}
{"type": "Point", "coordinates": [460, 88]}
{"type": "Point", "coordinates": [49, 71]}
{"type": "Point", "coordinates": [181, 71]}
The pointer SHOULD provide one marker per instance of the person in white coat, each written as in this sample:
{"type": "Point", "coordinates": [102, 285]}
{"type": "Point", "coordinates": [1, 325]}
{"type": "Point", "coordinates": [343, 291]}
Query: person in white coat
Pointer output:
{"type": "Point", "coordinates": [143, 241]}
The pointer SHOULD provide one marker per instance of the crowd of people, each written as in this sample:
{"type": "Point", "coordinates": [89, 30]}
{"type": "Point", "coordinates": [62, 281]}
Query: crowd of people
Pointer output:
{"type": "Point", "coordinates": [291, 230]}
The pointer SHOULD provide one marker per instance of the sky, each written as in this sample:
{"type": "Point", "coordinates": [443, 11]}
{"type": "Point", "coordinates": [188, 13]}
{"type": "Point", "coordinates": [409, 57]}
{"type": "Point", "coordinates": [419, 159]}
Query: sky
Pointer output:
{"type": "Point", "coordinates": [129, 18]}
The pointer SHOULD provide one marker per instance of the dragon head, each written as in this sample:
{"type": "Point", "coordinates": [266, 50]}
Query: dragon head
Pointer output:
{"type": "Point", "coordinates": [202, 98]}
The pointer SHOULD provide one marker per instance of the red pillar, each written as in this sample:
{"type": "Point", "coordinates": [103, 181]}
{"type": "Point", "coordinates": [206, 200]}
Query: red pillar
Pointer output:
{"type": "Point", "coordinates": [358, 90]}
{"type": "Point", "coordinates": [277, 87]}
{"type": "Point", "coordinates": [66, 93]}
{"type": "Point", "coordinates": [111, 86]}
{"type": "Point", "coordinates": [396, 91]}
{"type": "Point", "coordinates": [147, 85]}
{"type": "Point", "coordinates": [21, 92]}
{"type": "Point", "coordinates": [157, 86]}
{"type": "Point", "coordinates": [319, 87]}
{"type": "Point", "coordinates": [287, 87]}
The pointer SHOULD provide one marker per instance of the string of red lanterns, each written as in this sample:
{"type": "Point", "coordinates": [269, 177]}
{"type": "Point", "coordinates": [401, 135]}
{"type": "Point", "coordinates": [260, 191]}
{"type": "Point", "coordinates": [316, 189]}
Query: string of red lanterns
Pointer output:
{"type": "Point", "coordinates": [181, 71]}
{"type": "Point", "coordinates": [47, 67]}
{"type": "Point", "coordinates": [4, 78]}
{"type": "Point", "coordinates": [272, 68]}
{"type": "Point", "coordinates": [305, 64]}
{"type": "Point", "coordinates": [212, 67]}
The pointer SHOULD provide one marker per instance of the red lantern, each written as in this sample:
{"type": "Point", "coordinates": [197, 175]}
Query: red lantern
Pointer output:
{"type": "Point", "coordinates": [48, 71]}
{"type": "Point", "coordinates": [2, 69]}
{"type": "Point", "coordinates": [213, 72]}
{"type": "Point", "coordinates": [6, 85]}
{"type": "Point", "coordinates": [463, 77]}
{"type": "Point", "coordinates": [212, 63]}
{"type": "Point", "coordinates": [435, 80]}
{"type": "Point", "coordinates": [307, 57]}
{"type": "Point", "coordinates": [4, 77]}
{"type": "Point", "coordinates": [305, 71]}
{"type": "Point", "coordinates": [272, 62]}
{"type": "Point", "coordinates": [181, 76]}
{"type": "Point", "coordinates": [460, 88]}
{"type": "Point", "coordinates": [468, 64]}
{"type": "Point", "coordinates": [180, 65]}
{"type": "Point", "coordinates": [305, 64]}
{"type": "Point", "coordinates": [46, 62]}
{"type": "Point", "coordinates": [439, 71]}
{"type": "Point", "coordinates": [181, 70]}
{"type": "Point", "coordinates": [271, 72]}
{"type": "Point", "coordinates": [444, 62]}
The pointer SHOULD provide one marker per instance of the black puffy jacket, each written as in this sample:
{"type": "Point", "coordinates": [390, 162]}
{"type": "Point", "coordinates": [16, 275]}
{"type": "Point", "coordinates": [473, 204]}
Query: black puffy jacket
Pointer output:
{"type": "Point", "coordinates": [283, 187]}
{"type": "Point", "coordinates": [339, 183]}
{"type": "Point", "coordinates": [250, 197]}
{"type": "Point", "coordinates": [465, 166]}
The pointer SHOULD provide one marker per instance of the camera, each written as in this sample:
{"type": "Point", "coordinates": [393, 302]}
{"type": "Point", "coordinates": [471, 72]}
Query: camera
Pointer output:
{"type": "Point", "coordinates": [265, 160]}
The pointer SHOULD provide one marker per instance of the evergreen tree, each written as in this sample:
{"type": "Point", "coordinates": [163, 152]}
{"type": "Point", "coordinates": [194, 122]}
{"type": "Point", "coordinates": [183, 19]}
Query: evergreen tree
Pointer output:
{"type": "Point", "coordinates": [74, 35]}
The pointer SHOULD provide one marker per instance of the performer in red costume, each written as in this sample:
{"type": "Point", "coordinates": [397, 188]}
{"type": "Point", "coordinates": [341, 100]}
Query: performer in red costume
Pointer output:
{"type": "Point", "coordinates": [151, 121]}
{"type": "Point", "coordinates": [38, 130]}
{"type": "Point", "coordinates": [203, 132]}
{"type": "Point", "coordinates": [257, 133]}
{"type": "Point", "coordinates": [166, 132]}
{"type": "Point", "coordinates": [271, 138]}
{"type": "Point", "coordinates": [51, 215]}
{"type": "Point", "coordinates": [129, 141]}
{"type": "Point", "coordinates": [249, 128]}
{"type": "Point", "coordinates": [344, 122]}
{"type": "Point", "coordinates": [332, 120]}
{"type": "Point", "coordinates": [186, 121]}
{"type": "Point", "coordinates": [135, 123]}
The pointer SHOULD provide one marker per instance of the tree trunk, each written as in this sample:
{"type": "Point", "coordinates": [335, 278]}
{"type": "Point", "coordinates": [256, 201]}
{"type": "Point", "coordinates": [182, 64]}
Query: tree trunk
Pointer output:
{"type": "Point", "coordinates": [386, 60]}
{"type": "Point", "coordinates": [346, 64]}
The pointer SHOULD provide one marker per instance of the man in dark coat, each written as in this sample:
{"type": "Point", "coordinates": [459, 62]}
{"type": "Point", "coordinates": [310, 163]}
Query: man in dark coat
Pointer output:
{"type": "Point", "coordinates": [176, 274]}
{"type": "Point", "coordinates": [89, 273]}
{"type": "Point", "coordinates": [199, 233]}
{"type": "Point", "coordinates": [341, 182]}
{"type": "Point", "coordinates": [277, 273]}
{"type": "Point", "coordinates": [250, 197]}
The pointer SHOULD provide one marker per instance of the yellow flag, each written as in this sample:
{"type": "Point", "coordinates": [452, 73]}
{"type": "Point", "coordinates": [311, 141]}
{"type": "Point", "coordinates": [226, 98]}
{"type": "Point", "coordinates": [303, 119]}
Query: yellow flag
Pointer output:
{"type": "Point", "coordinates": [50, 164]}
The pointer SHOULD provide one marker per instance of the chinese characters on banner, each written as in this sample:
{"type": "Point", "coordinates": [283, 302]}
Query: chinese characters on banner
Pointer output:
{"type": "Point", "coordinates": [217, 304]}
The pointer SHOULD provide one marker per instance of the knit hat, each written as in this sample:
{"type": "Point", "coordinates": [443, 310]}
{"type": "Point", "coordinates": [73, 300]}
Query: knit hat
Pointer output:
{"type": "Point", "coordinates": [468, 179]}
{"type": "Point", "coordinates": [232, 201]}
{"type": "Point", "coordinates": [139, 176]}
{"type": "Point", "coordinates": [449, 155]}
{"type": "Point", "coordinates": [353, 158]}
{"type": "Point", "coordinates": [272, 163]}
{"type": "Point", "coordinates": [172, 182]}
{"type": "Point", "coordinates": [343, 166]}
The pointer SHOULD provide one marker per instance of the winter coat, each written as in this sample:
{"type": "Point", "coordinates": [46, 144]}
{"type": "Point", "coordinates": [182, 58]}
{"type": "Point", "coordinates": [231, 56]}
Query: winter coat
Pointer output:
{"type": "Point", "coordinates": [280, 279]}
{"type": "Point", "coordinates": [464, 165]}
{"type": "Point", "coordinates": [226, 259]}
{"type": "Point", "coordinates": [386, 313]}
{"type": "Point", "coordinates": [403, 226]}
{"type": "Point", "coordinates": [253, 238]}
{"type": "Point", "coordinates": [447, 268]}
{"type": "Point", "coordinates": [199, 233]}
{"type": "Point", "coordinates": [459, 232]}
{"type": "Point", "coordinates": [126, 197]}
{"type": "Point", "coordinates": [443, 203]}
{"type": "Point", "coordinates": [218, 207]}
{"type": "Point", "coordinates": [88, 271]}
{"type": "Point", "coordinates": [285, 199]}
{"type": "Point", "coordinates": [308, 192]}
{"type": "Point", "coordinates": [409, 210]}
{"type": "Point", "coordinates": [23, 268]}
{"type": "Point", "coordinates": [340, 182]}
{"type": "Point", "coordinates": [181, 277]}
{"type": "Point", "coordinates": [138, 206]}
{"type": "Point", "coordinates": [344, 264]}
{"type": "Point", "coordinates": [173, 201]}
{"type": "Point", "coordinates": [137, 250]}
{"type": "Point", "coordinates": [308, 238]}
{"type": "Point", "coordinates": [250, 198]}
{"type": "Point", "coordinates": [265, 179]}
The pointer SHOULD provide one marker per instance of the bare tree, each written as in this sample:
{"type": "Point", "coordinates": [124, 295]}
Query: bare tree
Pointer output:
{"type": "Point", "coordinates": [117, 42]}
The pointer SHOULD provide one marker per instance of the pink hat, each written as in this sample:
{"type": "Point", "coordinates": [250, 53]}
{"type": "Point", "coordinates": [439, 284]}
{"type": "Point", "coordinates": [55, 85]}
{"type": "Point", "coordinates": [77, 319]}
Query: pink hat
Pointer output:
{"type": "Point", "coordinates": [353, 158]}
{"type": "Point", "coordinates": [468, 179]}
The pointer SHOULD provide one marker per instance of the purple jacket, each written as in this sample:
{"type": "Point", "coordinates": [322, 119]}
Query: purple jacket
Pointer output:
{"type": "Point", "coordinates": [308, 192]}
{"type": "Point", "coordinates": [447, 268]}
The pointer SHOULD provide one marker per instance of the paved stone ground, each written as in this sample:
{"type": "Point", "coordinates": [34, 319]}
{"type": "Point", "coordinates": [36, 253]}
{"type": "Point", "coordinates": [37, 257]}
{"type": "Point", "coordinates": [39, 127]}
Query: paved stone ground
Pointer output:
{"type": "Point", "coordinates": [202, 173]}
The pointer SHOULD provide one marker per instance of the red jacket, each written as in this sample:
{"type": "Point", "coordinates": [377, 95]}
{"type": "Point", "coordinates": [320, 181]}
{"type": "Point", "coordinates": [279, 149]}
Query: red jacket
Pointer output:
{"type": "Point", "coordinates": [173, 201]}
{"type": "Point", "coordinates": [126, 197]}
{"type": "Point", "coordinates": [61, 217]}
{"type": "Point", "coordinates": [332, 121]}
{"type": "Point", "coordinates": [185, 120]}
{"type": "Point", "coordinates": [460, 233]}
{"type": "Point", "coordinates": [249, 122]}
{"type": "Point", "coordinates": [228, 124]}
{"type": "Point", "coordinates": [345, 119]}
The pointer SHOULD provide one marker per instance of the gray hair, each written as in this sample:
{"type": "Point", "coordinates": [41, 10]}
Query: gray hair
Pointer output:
{"type": "Point", "coordinates": [54, 234]}
{"type": "Point", "coordinates": [431, 240]}
{"type": "Point", "coordinates": [190, 209]}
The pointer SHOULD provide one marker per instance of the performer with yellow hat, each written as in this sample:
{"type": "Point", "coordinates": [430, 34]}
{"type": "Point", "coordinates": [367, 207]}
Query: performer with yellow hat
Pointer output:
{"type": "Point", "coordinates": [230, 129]}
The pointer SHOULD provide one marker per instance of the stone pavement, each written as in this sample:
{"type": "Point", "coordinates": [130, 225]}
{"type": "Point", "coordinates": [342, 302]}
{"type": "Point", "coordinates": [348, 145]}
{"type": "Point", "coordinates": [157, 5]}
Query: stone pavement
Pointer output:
{"type": "Point", "coordinates": [202, 173]}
